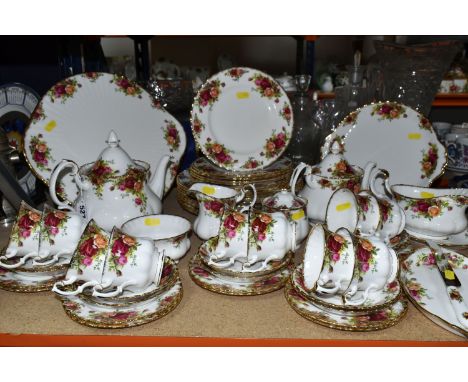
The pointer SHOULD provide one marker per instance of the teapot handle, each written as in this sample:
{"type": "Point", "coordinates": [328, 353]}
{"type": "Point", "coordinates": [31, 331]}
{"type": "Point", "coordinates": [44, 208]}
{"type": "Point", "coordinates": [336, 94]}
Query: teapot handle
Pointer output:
{"type": "Point", "coordinates": [295, 176]}
{"type": "Point", "coordinates": [372, 182]}
{"type": "Point", "coordinates": [53, 182]}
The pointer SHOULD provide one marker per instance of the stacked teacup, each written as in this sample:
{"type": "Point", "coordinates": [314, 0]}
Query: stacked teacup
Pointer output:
{"type": "Point", "coordinates": [118, 280]}
{"type": "Point", "coordinates": [40, 246]}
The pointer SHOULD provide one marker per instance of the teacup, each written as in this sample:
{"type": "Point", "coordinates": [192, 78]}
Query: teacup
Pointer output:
{"type": "Point", "coordinates": [60, 233]}
{"type": "Point", "coordinates": [328, 260]}
{"type": "Point", "coordinates": [24, 237]}
{"type": "Point", "coordinates": [375, 266]}
{"type": "Point", "coordinates": [433, 212]}
{"type": "Point", "coordinates": [169, 233]}
{"type": "Point", "coordinates": [131, 264]}
{"type": "Point", "coordinates": [87, 264]}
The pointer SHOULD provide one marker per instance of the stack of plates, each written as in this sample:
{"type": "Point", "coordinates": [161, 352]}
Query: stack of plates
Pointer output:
{"type": "Point", "coordinates": [235, 281]}
{"type": "Point", "coordinates": [267, 181]}
{"type": "Point", "coordinates": [129, 309]}
{"type": "Point", "coordinates": [381, 309]}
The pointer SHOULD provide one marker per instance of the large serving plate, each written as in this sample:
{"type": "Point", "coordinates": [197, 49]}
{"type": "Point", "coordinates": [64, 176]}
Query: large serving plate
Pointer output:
{"type": "Point", "coordinates": [75, 116]}
{"type": "Point", "coordinates": [425, 288]}
{"type": "Point", "coordinates": [242, 119]}
{"type": "Point", "coordinates": [397, 138]}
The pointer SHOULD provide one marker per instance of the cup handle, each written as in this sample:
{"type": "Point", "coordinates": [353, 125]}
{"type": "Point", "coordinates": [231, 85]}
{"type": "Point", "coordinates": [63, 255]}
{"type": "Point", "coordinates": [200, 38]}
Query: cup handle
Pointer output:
{"type": "Point", "coordinates": [53, 182]}
{"type": "Point", "coordinates": [395, 266]}
{"type": "Point", "coordinates": [373, 180]}
{"type": "Point", "coordinates": [295, 176]}
{"type": "Point", "coordinates": [361, 301]}
{"type": "Point", "coordinates": [21, 261]}
{"type": "Point", "coordinates": [333, 290]}
{"type": "Point", "coordinates": [117, 292]}
{"type": "Point", "coordinates": [159, 270]}
{"type": "Point", "coordinates": [254, 199]}
{"type": "Point", "coordinates": [80, 289]}
{"type": "Point", "coordinates": [53, 260]}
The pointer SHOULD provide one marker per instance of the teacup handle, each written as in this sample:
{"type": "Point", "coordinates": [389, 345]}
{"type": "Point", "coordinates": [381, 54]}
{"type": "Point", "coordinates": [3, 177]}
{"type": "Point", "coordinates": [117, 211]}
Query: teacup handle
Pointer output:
{"type": "Point", "coordinates": [333, 290]}
{"type": "Point", "coordinates": [242, 195]}
{"type": "Point", "coordinates": [364, 297]}
{"type": "Point", "coordinates": [53, 182]}
{"type": "Point", "coordinates": [295, 176]}
{"type": "Point", "coordinates": [21, 261]}
{"type": "Point", "coordinates": [373, 180]}
{"type": "Point", "coordinates": [117, 292]}
{"type": "Point", "coordinates": [53, 260]}
{"type": "Point", "coordinates": [71, 280]}
{"type": "Point", "coordinates": [395, 266]}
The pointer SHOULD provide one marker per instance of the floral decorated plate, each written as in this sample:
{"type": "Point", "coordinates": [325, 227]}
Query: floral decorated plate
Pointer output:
{"type": "Point", "coordinates": [376, 301]}
{"type": "Point", "coordinates": [242, 119]}
{"type": "Point", "coordinates": [209, 279]}
{"type": "Point", "coordinates": [30, 283]}
{"type": "Point", "coordinates": [425, 288]}
{"type": "Point", "coordinates": [125, 317]}
{"type": "Point", "coordinates": [397, 138]}
{"type": "Point", "coordinates": [456, 240]}
{"type": "Point", "coordinates": [75, 116]}
{"type": "Point", "coordinates": [375, 320]}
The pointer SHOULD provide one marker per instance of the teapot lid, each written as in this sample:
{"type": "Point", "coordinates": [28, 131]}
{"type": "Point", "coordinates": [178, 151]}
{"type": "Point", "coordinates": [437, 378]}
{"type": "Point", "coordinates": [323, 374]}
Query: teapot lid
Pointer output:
{"type": "Point", "coordinates": [115, 157]}
{"type": "Point", "coordinates": [284, 199]}
{"type": "Point", "coordinates": [335, 165]}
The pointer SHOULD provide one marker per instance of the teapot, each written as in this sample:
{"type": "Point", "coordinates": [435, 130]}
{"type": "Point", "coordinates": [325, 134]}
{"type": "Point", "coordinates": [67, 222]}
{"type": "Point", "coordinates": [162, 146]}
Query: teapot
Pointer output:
{"type": "Point", "coordinates": [115, 188]}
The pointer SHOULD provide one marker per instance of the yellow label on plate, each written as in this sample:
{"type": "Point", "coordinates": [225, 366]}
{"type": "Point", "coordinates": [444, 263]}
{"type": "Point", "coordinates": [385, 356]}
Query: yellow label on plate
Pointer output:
{"type": "Point", "coordinates": [152, 222]}
{"type": "Point", "coordinates": [449, 275]}
{"type": "Point", "coordinates": [208, 190]}
{"type": "Point", "coordinates": [343, 206]}
{"type": "Point", "coordinates": [426, 195]}
{"type": "Point", "coordinates": [297, 215]}
{"type": "Point", "coordinates": [414, 136]}
{"type": "Point", "coordinates": [50, 126]}
{"type": "Point", "coordinates": [242, 95]}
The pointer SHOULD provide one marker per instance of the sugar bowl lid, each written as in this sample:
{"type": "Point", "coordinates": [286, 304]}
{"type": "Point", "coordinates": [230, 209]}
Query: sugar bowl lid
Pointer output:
{"type": "Point", "coordinates": [284, 200]}
{"type": "Point", "coordinates": [335, 165]}
{"type": "Point", "coordinates": [116, 158]}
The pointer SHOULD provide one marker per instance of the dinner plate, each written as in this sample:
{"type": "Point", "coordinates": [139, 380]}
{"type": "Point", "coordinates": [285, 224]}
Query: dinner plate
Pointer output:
{"type": "Point", "coordinates": [242, 119]}
{"type": "Point", "coordinates": [425, 288]}
{"type": "Point", "coordinates": [397, 138]}
{"type": "Point", "coordinates": [73, 120]}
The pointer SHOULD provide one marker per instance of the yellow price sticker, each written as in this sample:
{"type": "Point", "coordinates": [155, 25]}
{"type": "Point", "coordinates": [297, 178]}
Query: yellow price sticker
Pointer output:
{"type": "Point", "coordinates": [298, 215]}
{"type": "Point", "coordinates": [449, 275]}
{"type": "Point", "coordinates": [50, 126]}
{"type": "Point", "coordinates": [152, 222]}
{"type": "Point", "coordinates": [208, 190]}
{"type": "Point", "coordinates": [426, 195]}
{"type": "Point", "coordinates": [242, 95]}
{"type": "Point", "coordinates": [414, 136]}
{"type": "Point", "coordinates": [343, 206]}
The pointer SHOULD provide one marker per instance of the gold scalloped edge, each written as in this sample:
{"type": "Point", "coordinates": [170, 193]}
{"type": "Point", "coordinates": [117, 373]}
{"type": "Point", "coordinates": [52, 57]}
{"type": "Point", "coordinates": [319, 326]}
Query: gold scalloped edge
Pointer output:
{"type": "Point", "coordinates": [40, 287]}
{"type": "Point", "coordinates": [348, 328]}
{"type": "Point", "coordinates": [52, 268]}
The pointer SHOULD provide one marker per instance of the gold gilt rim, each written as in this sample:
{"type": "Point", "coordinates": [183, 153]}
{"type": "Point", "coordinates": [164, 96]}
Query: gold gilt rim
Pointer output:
{"type": "Point", "coordinates": [52, 268]}
{"type": "Point", "coordinates": [349, 328]}
{"type": "Point", "coordinates": [15, 286]}
{"type": "Point", "coordinates": [235, 292]}
{"type": "Point", "coordinates": [130, 323]}
{"type": "Point", "coordinates": [265, 176]}
{"type": "Point", "coordinates": [451, 246]}
{"type": "Point", "coordinates": [349, 309]}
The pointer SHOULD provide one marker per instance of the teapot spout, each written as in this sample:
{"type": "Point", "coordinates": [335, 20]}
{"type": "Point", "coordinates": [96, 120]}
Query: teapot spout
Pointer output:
{"type": "Point", "coordinates": [158, 180]}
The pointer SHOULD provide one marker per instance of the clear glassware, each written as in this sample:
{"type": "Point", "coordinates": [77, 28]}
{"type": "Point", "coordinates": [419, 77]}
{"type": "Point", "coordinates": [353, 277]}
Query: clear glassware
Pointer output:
{"type": "Point", "coordinates": [306, 138]}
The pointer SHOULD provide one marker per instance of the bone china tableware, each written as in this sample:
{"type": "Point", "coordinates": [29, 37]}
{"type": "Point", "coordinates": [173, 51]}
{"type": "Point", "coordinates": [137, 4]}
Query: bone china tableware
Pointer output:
{"type": "Point", "coordinates": [427, 291]}
{"type": "Point", "coordinates": [87, 264]}
{"type": "Point", "coordinates": [432, 213]}
{"type": "Point", "coordinates": [169, 233]}
{"type": "Point", "coordinates": [374, 133]}
{"type": "Point", "coordinates": [75, 115]}
{"type": "Point", "coordinates": [322, 180]}
{"type": "Point", "coordinates": [115, 188]}
{"type": "Point", "coordinates": [212, 201]}
{"type": "Point", "coordinates": [293, 207]}
{"type": "Point", "coordinates": [242, 119]}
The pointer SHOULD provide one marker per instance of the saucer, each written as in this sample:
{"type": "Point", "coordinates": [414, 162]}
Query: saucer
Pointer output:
{"type": "Point", "coordinates": [210, 279]}
{"type": "Point", "coordinates": [376, 320]}
{"type": "Point", "coordinates": [133, 315]}
{"type": "Point", "coordinates": [377, 300]}
{"type": "Point", "coordinates": [456, 240]}
{"type": "Point", "coordinates": [12, 282]}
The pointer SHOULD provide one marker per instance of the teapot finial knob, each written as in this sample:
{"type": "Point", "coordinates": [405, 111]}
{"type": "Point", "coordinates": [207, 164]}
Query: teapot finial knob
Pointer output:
{"type": "Point", "coordinates": [336, 147]}
{"type": "Point", "coordinates": [113, 140]}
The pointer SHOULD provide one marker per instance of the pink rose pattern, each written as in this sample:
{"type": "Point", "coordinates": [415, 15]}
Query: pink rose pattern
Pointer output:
{"type": "Point", "coordinates": [232, 224]}
{"type": "Point", "coordinates": [99, 174]}
{"type": "Point", "coordinates": [416, 291]}
{"type": "Point", "coordinates": [341, 169]}
{"type": "Point", "coordinates": [40, 152]}
{"type": "Point", "coordinates": [365, 258]}
{"type": "Point", "coordinates": [54, 221]}
{"type": "Point", "coordinates": [424, 123]}
{"type": "Point", "coordinates": [426, 208]}
{"type": "Point", "coordinates": [266, 87]}
{"type": "Point", "coordinates": [28, 223]}
{"type": "Point", "coordinates": [236, 73]}
{"type": "Point", "coordinates": [91, 76]}
{"type": "Point", "coordinates": [132, 184]}
{"type": "Point", "coordinates": [124, 85]}
{"type": "Point", "coordinates": [208, 94]}
{"type": "Point", "coordinates": [276, 144]}
{"type": "Point", "coordinates": [171, 135]}
{"type": "Point", "coordinates": [261, 226]}
{"type": "Point", "coordinates": [252, 163]}
{"type": "Point", "coordinates": [91, 249]}
{"type": "Point", "coordinates": [386, 210]}
{"type": "Point", "coordinates": [351, 117]}
{"type": "Point", "coordinates": [213, 208]}
{"type": "Point", "coordinates": [286, 113]}
{"type": "Point", "coordinates": [352, 184]}
{"type": "Point", "coordinates": [38, 113]}
{"type": "Point", "coordinates": [219, 153]}
{"type": "Point", "coordinates": [429, 259]}
{"type": "Point", "coordinates": [363, 205]}
{"type": "Point", "coordinates": [197, 126]}
{"type": "Point", "coordinates": [429, 161]}
{"type": "Point", "coordinates": [389, 111]}
{"type": "Point", "coordinates": [335, 251]}
{"type": "Point", "coordinates": [122, 251]}
{"type": "Point", "coordinates": [63, 90]}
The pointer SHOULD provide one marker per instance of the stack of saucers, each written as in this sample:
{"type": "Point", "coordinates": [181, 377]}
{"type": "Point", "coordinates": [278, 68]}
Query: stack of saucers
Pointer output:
{"type": "Point", "coordinates": [267, 181]}
{"type": "Point", "coordinates": [234, 280]}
